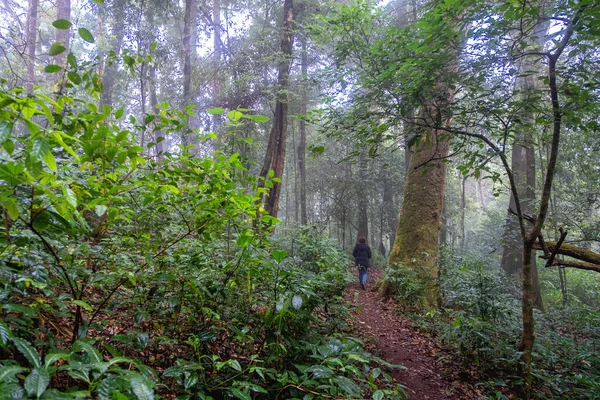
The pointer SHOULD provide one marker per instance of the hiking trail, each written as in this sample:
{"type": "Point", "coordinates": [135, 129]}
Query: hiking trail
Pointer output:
{"type": "Point", "coordinates": [429, 374]}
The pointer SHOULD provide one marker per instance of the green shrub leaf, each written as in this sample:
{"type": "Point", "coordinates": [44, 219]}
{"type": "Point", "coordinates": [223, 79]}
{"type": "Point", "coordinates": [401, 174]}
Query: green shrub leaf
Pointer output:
{"type": "Point", "coordinates": [86, 35]}
{"type": "Point", "coordinates": [142, 387]}
{"type": "Point", "coordinates": [8, 372]}
{"type": "Point", "coordinates": [28, 351]}
{"type": "Point", "coordinates": [5, 333]}
{"type": "Point", "coordinates": [5, 130]}
{"type": "Point", "coordinates": [216, 111]}
{"type": "Point", "coordinates": [52, 68]}
{"type": "Point", "coordinates": [93, 354]}
{"type": "Point", "coordinates": [56, 49]}
{"type": "Point", "coordinates": [37, 382]}
{"type": "Point", "coordinates": [63, 24]}
{"type": "Point", "coordinates": [39, 149]}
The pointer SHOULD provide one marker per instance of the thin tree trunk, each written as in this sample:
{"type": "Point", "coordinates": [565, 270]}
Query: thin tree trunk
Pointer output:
{"type": "Point", "coordinates": [111, 69]}
{"type": "Point", "coordinates": [302, 144]}
{"type": "Point", "coordinates": [32, 23]}
{"type": "Point", "coordinates": [463, 208]}
{"type": "Point", "coordinates": [187, 53]}
{"type": "Point", "coordinates": [362, 197]}
{"type": "Point", "coordinates": [530, 237]}
{"type": "Point", "coordinates": [275, 155]}
{"type": "Point", "coordinates": [216, 79]}
{"type": "Point", "coordinates": [63, 11]}
{"type": "Point", "coordinates": [523, 167]}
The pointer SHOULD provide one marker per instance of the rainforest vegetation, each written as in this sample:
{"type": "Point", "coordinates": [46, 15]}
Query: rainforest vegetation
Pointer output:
{"type": "Point", "coordinates": [182, 184]}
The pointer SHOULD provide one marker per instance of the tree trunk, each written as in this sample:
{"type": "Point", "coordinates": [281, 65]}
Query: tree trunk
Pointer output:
{"type": "Point", "coordinates": [216, 80]}
{"type": "Point", "coordinates": [523, 167]}
{"type": "Point", "coordinates": [529, 237]}
{"type": "Point", "coordinates": [275, 155]}
{"type": "Point", "coordinates": [187, 52]}
{"type": "Point", "coordinates": [362, 197]}
{"type": "Point", "coordinates": [416, 242]}
{"type": "Point", "coordinates": [32, 22]}
{"type": "Point", "coordinates": [158, 135]}
{"type": "Point", "coordinates": [463, 210]}
{"type": "Point", "coordinates": [63, 11]}
{"type": "Point", "coordinates": [109, 76]}
{"type": "Point", "coordinates": [302, 144]}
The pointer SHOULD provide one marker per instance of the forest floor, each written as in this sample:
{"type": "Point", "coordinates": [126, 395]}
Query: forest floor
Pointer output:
{"type": "Point", "coordinates": [430, 373]}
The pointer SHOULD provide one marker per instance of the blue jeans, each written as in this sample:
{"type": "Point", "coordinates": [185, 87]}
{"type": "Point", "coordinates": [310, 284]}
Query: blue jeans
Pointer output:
{"type": "Point", "coordinates": [362, 275]}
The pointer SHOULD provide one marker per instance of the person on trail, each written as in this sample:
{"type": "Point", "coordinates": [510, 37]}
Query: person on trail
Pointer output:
{"type": "Point", "coordinates": [362, 257]}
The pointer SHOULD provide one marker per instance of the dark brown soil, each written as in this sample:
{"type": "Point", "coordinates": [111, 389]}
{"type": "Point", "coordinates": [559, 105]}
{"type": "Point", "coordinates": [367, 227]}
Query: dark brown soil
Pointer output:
{"type": "Point", "coordinates": [397, 341]}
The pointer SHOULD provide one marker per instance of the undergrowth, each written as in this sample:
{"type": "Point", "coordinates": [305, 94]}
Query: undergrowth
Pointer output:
{"type": "Point", "coordinates": [125, 276]}
{"type": "Point", "coordinates": [481, 322]}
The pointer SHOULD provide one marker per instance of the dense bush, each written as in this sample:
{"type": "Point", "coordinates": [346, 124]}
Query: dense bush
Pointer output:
{"type": "Point", "coordinates": [482, 321]}
{"type": "Point", "coordinates": [130, 276]}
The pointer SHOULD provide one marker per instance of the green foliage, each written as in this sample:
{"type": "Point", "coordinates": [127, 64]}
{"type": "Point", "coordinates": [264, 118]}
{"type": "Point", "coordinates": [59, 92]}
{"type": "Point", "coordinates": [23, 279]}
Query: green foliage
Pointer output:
{"type": "Point", "coordinates": [162, 261]}
{"type": "Point", "coordinates": [482, 322]}
{"type": "Point", "coordinates": [83, 364]}
{"type": "Point", "coordinates": [409, 284]}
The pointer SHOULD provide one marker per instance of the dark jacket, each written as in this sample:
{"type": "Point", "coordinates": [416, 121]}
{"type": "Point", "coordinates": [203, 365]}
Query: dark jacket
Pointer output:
{"type": "Point", "coordinates": [362, 254]}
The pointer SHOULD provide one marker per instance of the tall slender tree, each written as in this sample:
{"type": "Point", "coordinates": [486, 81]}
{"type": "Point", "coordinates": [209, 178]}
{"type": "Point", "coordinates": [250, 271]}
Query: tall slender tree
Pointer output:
{"type": "Point", "coordinates": [63, 11]}
{"type": "Point", "coordinates": [32, 24]}
{"type": "Point", "coordinates": [275, 154]}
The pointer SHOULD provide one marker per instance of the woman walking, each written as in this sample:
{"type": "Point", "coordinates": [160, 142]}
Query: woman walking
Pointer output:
{"type": "Point", "coordinates": [362, 257]}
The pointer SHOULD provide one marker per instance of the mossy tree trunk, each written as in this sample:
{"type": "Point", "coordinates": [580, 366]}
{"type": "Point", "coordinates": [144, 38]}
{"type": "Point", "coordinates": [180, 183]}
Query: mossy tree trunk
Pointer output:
{"type": "Point", "coordinates": [416, 243]}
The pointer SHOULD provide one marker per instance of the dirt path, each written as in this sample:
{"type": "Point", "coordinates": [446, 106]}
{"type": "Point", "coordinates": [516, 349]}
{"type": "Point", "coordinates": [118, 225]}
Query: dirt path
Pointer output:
{"type": "Point", "coordinates": [395, 340]}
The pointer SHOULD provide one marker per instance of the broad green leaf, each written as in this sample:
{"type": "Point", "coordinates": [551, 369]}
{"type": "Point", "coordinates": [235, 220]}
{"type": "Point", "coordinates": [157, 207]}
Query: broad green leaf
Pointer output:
{"type": "Point", "coordinates": [119, 113]}
{"type": "Point", "coordinates": [378, 395]}
{"type": "Point", "coordinates": [56, 49]}
{"type": "Point", "coordinates": [79, 375]}
{"type": "Point", "coordinates": [348, 386]}
{"type": "Point", "coordinates": [357, 357]}
{"type": "Point", "coordinates": [51, 358]}
{"type": "Point", "coordinates": [12, 208]}
{"type": "Point", "coordinates": [70, 196]}
{"type": "Point", "coordinates": [37, 382]}
{"type": "Point", "coordinates": [8, 372]}
{"type": "Point", "coordinates": [154, 46]}
{"type": "Point", "coordinates": [58, 136]}
{"type": "Point", "coordinates": [215, 111]}
{"type": "Point", "coordinates": [259, 118]}
{"type": "Point", "coordinates": [52, 68]}
{"type": "Point", "coordinates": [234, 115]}
{"type": "Point", "coordinates": [279, 255]}
{"type": "Point", "coordinates": [74, 77]}
{"type": "Point", "coordinates": [39, 149]}
{"type": "Point", "coordinates": [5, 130]}
{"type": "Point", "coordinates": [107, 387]}
{"type": "Point", "coordinates": [28, 351]}
{"type": "Point", "coordinates": [83, 304]}
{"type": "Point", "coordinates": [90, 350]}
{"type": "Point", "coordinates": [142, 387]}
{"type": "Point", "coordinates": [86, 35]}
{"type": "Point", "coordinates": [191, 379]}
{"type": "Point", "coordinates": [50, 161]}
{"type": "Point", "coordinates": [9, 146]}
{"type": "Point", "coordinates": [320, 371]}
{"type": "Point", "coordinates": [5, 333]}
{"type": "Point", "coordinates": [62, 24]}
{"type": "Point", "coordinates": [72, 60]}
{"type": "Point", "coordinates": [244, 240]}
{"type": "Point", "coordinates": [239, 394]}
